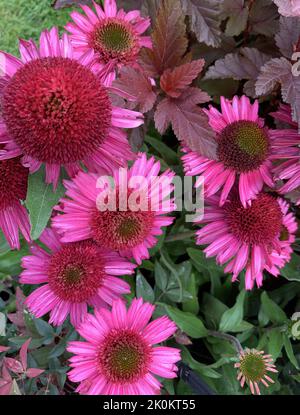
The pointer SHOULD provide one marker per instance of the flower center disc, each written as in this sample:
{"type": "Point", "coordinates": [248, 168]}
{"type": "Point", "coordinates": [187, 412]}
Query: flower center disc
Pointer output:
{"type": "Point", "coordinates": [114, 39]}
{"type": "Point", "coordinates": [76, 272]}
{"type": "Point", "coordinates": [259, 223]}
{"type": "Point", "coordinates": [56, 110]}
{"type": "Point", "coordinates": [13, 182]}
{"type": "Point", "coordinates": [243, 146]}
{"type": "Point", "coordinates": [253, 367]}
{"type": "Point", "coordinates": [124, 356]}
{"type": "Point", "coordinates": [121, 230]}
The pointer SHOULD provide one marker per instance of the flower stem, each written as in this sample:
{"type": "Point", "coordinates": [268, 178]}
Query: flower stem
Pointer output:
{"type": "Point", "coordinates": [180, 236]}
{"type": "Point", "coordinates": [233, 340]}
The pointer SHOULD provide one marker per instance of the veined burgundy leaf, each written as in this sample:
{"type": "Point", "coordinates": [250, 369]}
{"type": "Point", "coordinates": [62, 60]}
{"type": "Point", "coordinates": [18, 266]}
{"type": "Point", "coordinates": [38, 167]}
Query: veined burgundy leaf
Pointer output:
{"type": "Point", "coordinates": [290, 90]}
{"type": "Point", "coordinates": [4, 349]}
{"type": "Point", "coordinates": [242, 65]}
{"type": "Point", "coordinates": [205, 20]}
{"type": "Point", "coordinates": [274, 71]}
{"type": "Point", "coordinates": [174, 82]}
{"type": "Point", "coordinates": [138, 85]}
{"type": "Point", "coordinates": [288, 36]}
{"type": "Point", "coordinates": [169, 39]}
{"type": "Point", "coordinates": [263, 17]}
{"type": "Point", "coordinates": [237, 13]}
{"type": "Point", "coordinates": [149, 9]}
{"type": "Point", "coordinates": [279, 70]}
{"type": "Point", "coordinates": [129, 5]}
{"type": "Point", "coordinates": [189, 122]}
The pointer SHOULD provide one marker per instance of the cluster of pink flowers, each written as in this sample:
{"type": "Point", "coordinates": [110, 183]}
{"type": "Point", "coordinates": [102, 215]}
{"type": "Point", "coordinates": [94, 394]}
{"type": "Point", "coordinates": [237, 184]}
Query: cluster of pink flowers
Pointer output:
{"type": "Point", "coordinates": [248, 228]}
{"type": "Point", "coordinates": [58, 110]}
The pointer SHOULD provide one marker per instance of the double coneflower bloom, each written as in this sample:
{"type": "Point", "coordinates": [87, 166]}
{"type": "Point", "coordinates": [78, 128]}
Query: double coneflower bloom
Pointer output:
{"type": "Point", "coordinates": [113, 35]}
{"type": "Point", "coordinates": [57, 111]}
{"type": "Point", "coordinates": [121, 354]}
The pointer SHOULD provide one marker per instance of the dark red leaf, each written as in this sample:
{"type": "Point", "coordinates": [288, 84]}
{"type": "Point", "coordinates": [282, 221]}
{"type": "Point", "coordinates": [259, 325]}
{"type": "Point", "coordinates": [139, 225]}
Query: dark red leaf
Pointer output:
{"type": "Point", "coordinates": [138, 85]}
{"type": "Point", "coordinates": [169, 39]}
{"type": "Point", "coordinates": [189, 122]}
{"type": "Point", "coordinates": [174, 82]}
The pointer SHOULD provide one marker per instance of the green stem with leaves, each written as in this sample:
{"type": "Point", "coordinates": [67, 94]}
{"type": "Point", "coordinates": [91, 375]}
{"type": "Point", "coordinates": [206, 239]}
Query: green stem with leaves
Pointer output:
{"type": "Point", "coordinates": [233, 340]}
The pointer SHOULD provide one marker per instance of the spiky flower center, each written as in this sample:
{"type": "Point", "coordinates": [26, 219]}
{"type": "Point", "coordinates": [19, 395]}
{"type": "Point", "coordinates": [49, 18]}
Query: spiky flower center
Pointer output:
{"type": "Point", "coordinates": [114, 38]}
{"type": "Point", "coordinates": [56, 110]}
{"type": "Point", "coordinates": [243, 146]}
{"type": "Point", "coordinates": [13, 182]}
{"type": "Point", "coordinates": [259, 223]}
{"type": "Point", "coordinates": [253, 366]}
{"type": "Point", "coordinates": [76, 271]}
{"type": "Point", "coordinates": [124, 356]}
{"type": "Point", "coordinates": [120, 230]}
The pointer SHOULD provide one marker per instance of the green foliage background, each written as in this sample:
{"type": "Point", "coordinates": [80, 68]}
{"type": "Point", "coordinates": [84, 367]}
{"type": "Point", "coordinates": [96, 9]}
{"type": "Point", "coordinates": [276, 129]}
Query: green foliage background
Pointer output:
{"type": "Point", "coordinates": [26, 19]}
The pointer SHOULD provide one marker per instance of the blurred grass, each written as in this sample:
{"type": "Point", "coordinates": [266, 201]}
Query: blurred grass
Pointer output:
{"type": "Point", "coordinates": [26, 19]}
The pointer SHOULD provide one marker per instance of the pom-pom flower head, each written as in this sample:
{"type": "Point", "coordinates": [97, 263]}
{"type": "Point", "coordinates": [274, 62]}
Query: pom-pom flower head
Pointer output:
{"type": "Point", "coordinates": [289, 170]}
{"type": "Point", "coordinates": [255, 238]}
{"type": "Point", "coordinates": [130, 230]}
{"type": "Point", "coordinates": [245, 150]}
{"type": "Point", "coordinates": [13, 189]}
{"type": "Point", "coordinates": [115, 36]}
{"type": "Point", "coordinates": [253, 368]}
{"type": "Point", "coordinates": [73, 276]}
{"type": "Point", "coordinates": [56, 110]}
{"type": "Point", "coordinates": [119, 356]}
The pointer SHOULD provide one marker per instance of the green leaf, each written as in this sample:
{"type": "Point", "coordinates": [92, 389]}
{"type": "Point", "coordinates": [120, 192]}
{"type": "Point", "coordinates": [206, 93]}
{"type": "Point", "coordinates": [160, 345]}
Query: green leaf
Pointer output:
{"type": "Point", "coordinates": [197, 366]}
{"type": "Point", "coordinates": [192, 305]}
{"type": "Point", "coordinates": [187, 322]}
{"type": "Point", "coordinates": [213, 310]}
{"type": "Point", "coordinates": [167, 154]}
{"type": "Point", "coordinates": [10, 262]}
{"type": "Point", "coordinates": [169, 386]}
{"type": "Point", "coordinates": [233, 317]}
{"type": "Point", "coordinates": [143, 288]}
{"type": "Point", "coordinates": [166, 260]}
{"type": "Point", "coordinates": [60, 348]}
{"type": "Point", "coordinates": [157, 247]}
{"type": "Point", "coordinates": [272, 310]}
{"type": "Point", "coordinates": [43, 328]}
{"type": "Point", "coordinates": [40, 201]}
{"type": "Point", "coordinates": [201, 263]}
{"type": "Point", "coordinates": [292, 269]}
{"type": "Point", "coordinates": [289, 351]}
{"type": "Point", "coordinates": [4, 247]}
{"type": "Point", "coordinates": [148, 265]}
{"type": "Point", "coordinates": [275, 342]}
{"type": "Point", "coordinates": [161, 276]}
{"type": "Point", "coordinates": [20, 340]}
